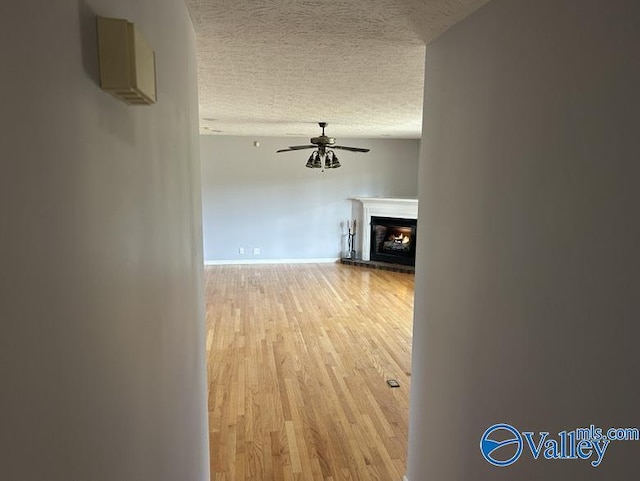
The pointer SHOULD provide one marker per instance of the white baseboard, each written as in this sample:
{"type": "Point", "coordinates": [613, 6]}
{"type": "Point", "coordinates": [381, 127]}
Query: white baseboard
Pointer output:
{"type": "Point", "coordinates": [404, 478]}
{"type": "Point", "coordinates": [321, 260]}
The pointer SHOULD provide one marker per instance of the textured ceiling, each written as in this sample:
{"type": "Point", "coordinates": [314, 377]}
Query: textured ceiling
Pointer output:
{"type": "Point", "coordinates": [276, 67]}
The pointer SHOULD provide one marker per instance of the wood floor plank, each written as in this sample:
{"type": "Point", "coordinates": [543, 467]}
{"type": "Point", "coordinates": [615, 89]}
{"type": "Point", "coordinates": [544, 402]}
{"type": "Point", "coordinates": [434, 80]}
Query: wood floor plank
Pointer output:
{"type": "Point", "coordinates": [298, 357]}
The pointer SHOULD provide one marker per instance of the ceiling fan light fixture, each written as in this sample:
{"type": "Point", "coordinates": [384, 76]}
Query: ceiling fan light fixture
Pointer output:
{"type": "Point", "coordinates": [311, 160]}
{"type": "Point", "coordinates": [331, 160]}
{"type": "Point", "coordinates": [335, 163]}
{"type": "Point", "coordinates": [314, 162]}
{"type": "Point", "coordinates": [317, 161]}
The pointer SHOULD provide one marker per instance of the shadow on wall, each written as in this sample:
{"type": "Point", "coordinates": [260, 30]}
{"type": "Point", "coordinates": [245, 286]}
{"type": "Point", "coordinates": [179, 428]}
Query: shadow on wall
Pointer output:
{"type": "Point", "coordinates": [89, 43]}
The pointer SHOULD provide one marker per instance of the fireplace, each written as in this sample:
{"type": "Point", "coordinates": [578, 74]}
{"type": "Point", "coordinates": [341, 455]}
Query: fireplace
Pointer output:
{"type": "Point", "coordinates": [398, 208]}
{"type": "Point", "coordinates": [393, 240]}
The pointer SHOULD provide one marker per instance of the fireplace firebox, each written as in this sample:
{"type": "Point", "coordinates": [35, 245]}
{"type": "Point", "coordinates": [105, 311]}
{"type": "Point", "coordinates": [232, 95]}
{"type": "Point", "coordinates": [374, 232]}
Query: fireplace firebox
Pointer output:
{"type": "Point", "coordinates": [393, 240]}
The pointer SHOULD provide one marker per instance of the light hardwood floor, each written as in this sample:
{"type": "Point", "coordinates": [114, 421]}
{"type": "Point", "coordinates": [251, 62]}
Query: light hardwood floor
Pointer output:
{"type": "Point", "coordinates": [298, 358]}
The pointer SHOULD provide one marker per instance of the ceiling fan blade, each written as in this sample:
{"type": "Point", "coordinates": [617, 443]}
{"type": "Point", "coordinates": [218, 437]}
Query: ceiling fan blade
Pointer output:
{"type": "Point", "coordinates": [352, 149]}
{"type": "Point", "coordinates": [297, 147]}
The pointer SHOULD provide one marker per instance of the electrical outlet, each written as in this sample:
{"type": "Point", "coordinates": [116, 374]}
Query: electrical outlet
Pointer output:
{"type": "Point", "coordinates": [241, 250]}
{"type": "Point", "coordinates": [256, 251]}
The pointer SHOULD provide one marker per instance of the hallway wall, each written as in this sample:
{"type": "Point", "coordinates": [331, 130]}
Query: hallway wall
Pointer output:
{"type": "Point", "coordinates": [101, 305]}
{"type": "Point", "coordinates": [527, 286]}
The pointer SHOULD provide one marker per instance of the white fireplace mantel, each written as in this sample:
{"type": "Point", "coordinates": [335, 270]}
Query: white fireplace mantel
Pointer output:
{"type": "Point", "coordinates": [400, 208]}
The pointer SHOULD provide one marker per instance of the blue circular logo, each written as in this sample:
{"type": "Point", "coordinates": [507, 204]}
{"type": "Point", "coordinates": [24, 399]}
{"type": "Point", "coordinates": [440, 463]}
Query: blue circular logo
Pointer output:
{"type": "Point", "coordinates": [498, 444]}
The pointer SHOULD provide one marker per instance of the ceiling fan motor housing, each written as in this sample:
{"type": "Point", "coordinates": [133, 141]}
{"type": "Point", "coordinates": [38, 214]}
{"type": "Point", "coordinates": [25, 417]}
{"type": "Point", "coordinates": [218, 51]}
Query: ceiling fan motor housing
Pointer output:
{"type": "Point", "coordinates": [323, 140]}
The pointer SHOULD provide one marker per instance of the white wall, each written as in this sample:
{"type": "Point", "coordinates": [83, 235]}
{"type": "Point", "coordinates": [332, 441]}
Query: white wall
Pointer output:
{"type": "Point", "coordinates": [528, 288]}
{"type": "Point", "coordinates": [101, 306]}
{"type": "Point", "coordinates": [253, 197]}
